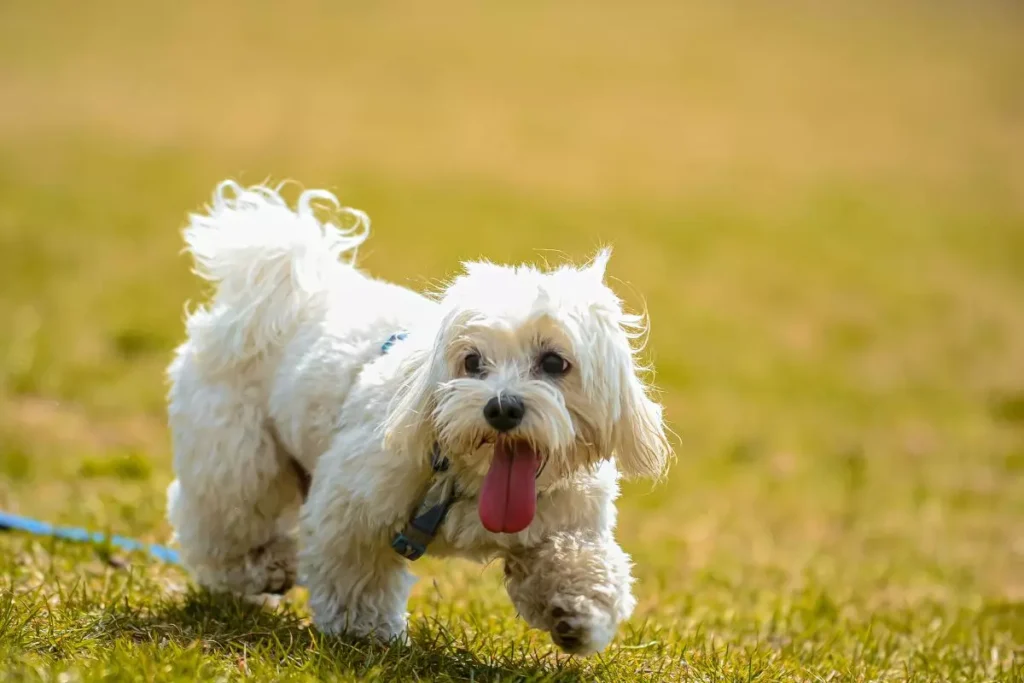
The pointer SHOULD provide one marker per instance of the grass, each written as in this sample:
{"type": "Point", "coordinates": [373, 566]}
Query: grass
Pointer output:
{"type": "Point", "coordinates": [822, 206]}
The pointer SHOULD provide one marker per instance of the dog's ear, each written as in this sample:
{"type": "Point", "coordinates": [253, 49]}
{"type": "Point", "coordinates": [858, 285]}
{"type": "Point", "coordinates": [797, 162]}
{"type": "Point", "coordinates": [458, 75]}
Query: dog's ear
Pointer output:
{"type": "Point", "coordinates": [635, 434]}
{"type": "Point", "coordinates": [599, 264]}
{"type": "Point", "coordinates": [408, 426]}
{"type": "Point", "coordinates": [639, 442]}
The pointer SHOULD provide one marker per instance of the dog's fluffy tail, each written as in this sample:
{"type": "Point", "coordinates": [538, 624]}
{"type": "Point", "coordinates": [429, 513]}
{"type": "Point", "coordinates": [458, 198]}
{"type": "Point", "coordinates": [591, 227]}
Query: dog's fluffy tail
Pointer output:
{"type": "Point", "coordinates": [271, 265]}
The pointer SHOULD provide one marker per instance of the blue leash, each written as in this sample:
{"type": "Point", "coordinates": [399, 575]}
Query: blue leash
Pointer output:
{"type": "Point", "coordinates": [9, 522]}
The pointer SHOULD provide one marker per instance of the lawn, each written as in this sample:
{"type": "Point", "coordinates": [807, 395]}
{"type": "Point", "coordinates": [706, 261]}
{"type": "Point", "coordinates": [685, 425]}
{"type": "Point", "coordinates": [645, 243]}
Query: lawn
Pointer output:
{"type": "Point", "coordinates": [820, 204]}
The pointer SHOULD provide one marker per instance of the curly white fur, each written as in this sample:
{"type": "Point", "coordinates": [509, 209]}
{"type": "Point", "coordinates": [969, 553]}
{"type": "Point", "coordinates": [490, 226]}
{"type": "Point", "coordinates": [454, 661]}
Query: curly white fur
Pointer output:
{"type": "Point", "coordinates": [285, 364]}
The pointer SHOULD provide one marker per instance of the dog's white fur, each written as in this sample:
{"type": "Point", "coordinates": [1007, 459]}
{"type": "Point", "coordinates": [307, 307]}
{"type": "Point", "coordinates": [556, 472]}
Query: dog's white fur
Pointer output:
{"type": "Point", "coordinates": [286, 363]}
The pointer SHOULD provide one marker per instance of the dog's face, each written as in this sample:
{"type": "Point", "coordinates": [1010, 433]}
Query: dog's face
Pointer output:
{"type": "Point", "coordinates": [531, 377]}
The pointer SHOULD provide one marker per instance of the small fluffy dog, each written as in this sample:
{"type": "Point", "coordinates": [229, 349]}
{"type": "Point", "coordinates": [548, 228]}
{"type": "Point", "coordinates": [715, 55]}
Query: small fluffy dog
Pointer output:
{"type": "Point", "coordinates": [336, 427]}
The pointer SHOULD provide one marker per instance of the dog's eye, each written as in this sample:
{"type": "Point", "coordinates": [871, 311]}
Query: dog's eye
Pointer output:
{"type": "Point", "coordinates": [472, 364]}
{"type": "Point", "coordinates": [553, 364]}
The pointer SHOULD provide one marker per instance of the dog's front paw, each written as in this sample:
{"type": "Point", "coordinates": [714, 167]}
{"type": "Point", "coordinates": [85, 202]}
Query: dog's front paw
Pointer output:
{"type": "Point", "coordinates": [363, 620]}
{"type": "Point", "coordinates": [579, 626]}
{"type": "Point", "coordinates": [388, 632]}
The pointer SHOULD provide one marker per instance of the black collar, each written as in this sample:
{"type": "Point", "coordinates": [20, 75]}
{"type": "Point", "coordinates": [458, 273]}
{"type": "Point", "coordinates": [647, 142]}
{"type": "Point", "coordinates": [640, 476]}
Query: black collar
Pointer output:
{"type": "Point", "coordinates": [412, 541]}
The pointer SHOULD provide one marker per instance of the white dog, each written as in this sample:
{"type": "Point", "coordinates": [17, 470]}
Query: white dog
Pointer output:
{"type": "Point", "coordinates": [488, 422]}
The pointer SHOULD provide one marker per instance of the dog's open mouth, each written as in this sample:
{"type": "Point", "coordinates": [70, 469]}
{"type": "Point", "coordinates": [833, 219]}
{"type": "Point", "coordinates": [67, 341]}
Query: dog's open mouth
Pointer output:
{"type": "Point", "coordinates": [508, 498]}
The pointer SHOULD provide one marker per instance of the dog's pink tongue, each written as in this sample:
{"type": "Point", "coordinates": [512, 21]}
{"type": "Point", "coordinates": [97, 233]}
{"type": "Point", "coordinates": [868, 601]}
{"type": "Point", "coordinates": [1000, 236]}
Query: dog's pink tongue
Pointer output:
{"type": "Point", "coordinates": [508, 498]}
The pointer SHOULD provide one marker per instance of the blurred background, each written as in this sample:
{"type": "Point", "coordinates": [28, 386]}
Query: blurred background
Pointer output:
{"type": "Point", "coordinates": [820, 204]}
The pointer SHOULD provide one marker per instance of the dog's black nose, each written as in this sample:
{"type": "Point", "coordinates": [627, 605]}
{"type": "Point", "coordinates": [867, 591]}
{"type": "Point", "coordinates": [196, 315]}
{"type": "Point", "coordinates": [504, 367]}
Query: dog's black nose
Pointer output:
{"type": "Point", "coordinates": [504, 413]}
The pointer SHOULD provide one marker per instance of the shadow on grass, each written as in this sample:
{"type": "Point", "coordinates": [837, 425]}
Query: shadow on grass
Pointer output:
{"type": "Point", "coordinates": [278, 638]}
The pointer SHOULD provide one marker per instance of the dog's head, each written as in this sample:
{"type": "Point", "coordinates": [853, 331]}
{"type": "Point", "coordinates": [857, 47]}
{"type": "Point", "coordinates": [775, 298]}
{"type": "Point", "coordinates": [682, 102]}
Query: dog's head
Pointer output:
{"type": "Point", "coordinates": [531, 376]}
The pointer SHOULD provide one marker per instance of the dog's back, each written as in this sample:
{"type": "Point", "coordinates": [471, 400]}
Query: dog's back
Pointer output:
{"type": "Point", "coordinates": [265, 364]}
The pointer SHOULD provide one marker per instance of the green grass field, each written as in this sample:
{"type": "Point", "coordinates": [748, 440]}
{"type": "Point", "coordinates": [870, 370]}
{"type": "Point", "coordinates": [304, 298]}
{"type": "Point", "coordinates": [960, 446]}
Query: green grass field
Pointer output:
{"type": "Point", "coordinates": [821, 204]}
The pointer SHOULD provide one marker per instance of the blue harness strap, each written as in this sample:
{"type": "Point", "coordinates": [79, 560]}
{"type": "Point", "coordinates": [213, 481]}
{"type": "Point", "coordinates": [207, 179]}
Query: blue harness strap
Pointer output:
{"type": "Point", "coordinates": [392, 340]}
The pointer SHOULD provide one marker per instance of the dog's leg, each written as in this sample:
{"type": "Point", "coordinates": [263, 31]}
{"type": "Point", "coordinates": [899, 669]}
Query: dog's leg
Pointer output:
{"type": "Point", "coordinates": [575, 585]}
{"type": "Point", "coordinates": [357, 584]}
{"type": "Point", "coordinates": [234, 505]}
{"type": "Point", "coordinates": [362, 594]}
